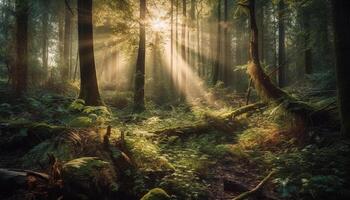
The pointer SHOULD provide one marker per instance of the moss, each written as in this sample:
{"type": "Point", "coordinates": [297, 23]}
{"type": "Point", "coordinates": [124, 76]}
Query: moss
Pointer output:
{"type": "Point", "coordinates": [39, 153]}
{"type": "Point", "coordinates": [156, 194]}
{"type": "Point", "coordinates": [84, 166]}
{"type": "Point", "coordinates": [147, 156]}
{"type": "Point", "coordinates": [81, 122]}
{"type": "Point", "coordinates": [89, 175]}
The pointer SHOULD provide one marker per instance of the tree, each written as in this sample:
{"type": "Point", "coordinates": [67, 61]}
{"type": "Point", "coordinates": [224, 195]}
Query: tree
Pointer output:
{"type": "Point", "coordinates": [139, 91]}
{"type": "Point", "coordinates": [342, 46]}
{"type": "Point", "coordinates": [67, 42]}
{"type": "Point", "coordinates": [88, 81]}
{"type": "Point", "coordinates": [281, 45]}
{"type": "Point", "coordinates": [217, 65]}
{"type": "Point", "coordinates": [227, 46]}
{"type": "Point", "coordinates": [261, 81]}
{"type": "Point", "coordinates": [20, 73]}
{"type": "Point", "coordinates": [45, 29]}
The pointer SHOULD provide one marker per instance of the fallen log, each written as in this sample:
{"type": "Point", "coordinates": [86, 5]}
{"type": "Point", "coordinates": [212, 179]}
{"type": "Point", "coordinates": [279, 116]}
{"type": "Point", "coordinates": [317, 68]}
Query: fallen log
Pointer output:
{"type": "Point", "coordinates": [256, 190]}
{"type": "Point", "coordinates": [224, 123]}
{"type": "Point", "coordinates": [245, 109]}
{"type": "Point", "coordinates": [14, 179]}
{"type": "Point", "coordinates": [184, 130]}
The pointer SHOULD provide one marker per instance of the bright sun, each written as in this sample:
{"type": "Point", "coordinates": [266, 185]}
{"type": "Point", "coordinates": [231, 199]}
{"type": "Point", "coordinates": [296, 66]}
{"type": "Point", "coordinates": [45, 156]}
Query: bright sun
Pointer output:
{"type": "Point", "coordinates": [158, 24]}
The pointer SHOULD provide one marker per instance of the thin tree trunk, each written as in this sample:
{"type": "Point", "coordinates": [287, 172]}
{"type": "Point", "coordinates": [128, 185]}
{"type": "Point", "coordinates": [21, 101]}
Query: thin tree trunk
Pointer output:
{"type": "Point", "coordinates": [67, 42]}
{"type": "Point", "coordinates": [217, 65]}
{"type": "Point", "coordinates": [307, 46]}
{"type": "Point", "coordinates": [172, 40]}
{"type": "Point", "coordinates": [281, 45]}
{"type": "Point", "coordinates": [88, 81]}
{"type": "Point", "coordinates": [227, 45]}
{"type": "Point", "coordinates": [184, 27]}
{"type": "Point", "coordinates": [61, 37]}
{"type": "Point", "coordinates": [183, 47]}
{"type": "Point", "coordinates": [139, 93]}
{"type": "Point", "coordinates": [45, 21]}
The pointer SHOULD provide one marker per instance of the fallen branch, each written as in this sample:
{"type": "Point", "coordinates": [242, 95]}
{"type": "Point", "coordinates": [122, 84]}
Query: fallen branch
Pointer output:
{"type": "Point", "coordinates": [255, 190]}
{"type": "Point", "coordinates": [245, 109]}
{"type": "Point", "coordinates": [32, 173]}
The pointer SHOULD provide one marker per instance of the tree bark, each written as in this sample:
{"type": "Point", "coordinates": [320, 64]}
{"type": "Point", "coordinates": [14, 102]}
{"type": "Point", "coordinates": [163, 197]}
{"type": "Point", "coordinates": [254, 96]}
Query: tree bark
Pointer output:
{"type": "Point", "coordinates": [217, 65]}
{"type": "Point", "coordinates": [67, 42]}
{"type": "Point", "coordinates": [227, 42]}
{"type": "Point", "coordinates": [281, 45]}
{"type": "Point", "coordinates": [20, 79]}
{"type": "Point", "coordinates": [172, 39]}
{"type": "Point", "coordinates": [342, 46]}
{"type": "Point", "coordinates": [88, 81]}
{"type": "Point", "coordinates": [139, 92]}
{"type": "Point", "coordinates": [45, 22]}
{"type": "Point", "coordinates": [61, 37]}
{"type": "Point", "coordinates": [307, 46]}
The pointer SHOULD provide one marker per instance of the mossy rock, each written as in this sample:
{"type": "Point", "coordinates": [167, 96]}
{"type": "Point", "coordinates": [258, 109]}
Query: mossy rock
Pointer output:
{"type": "Point", "coordinates": [90, 176]}
{"type": "Point", "coordinates": [156, 194]}
{"type": "Point", "coordinates": [81, 122]}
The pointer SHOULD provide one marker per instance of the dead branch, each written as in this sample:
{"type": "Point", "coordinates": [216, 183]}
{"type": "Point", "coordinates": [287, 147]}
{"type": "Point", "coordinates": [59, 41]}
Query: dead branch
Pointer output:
{"type": "Point", "coordinates": [255, 190]}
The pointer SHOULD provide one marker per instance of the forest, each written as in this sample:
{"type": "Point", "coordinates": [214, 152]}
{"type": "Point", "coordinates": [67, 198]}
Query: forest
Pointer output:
{"type": "Point", "coordinates": [175, 99]}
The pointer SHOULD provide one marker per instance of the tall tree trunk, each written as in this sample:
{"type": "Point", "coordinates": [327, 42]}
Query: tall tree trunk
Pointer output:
{"type": "Point", "coordinates": [61, 34]}
{"type": "Point", "coordinates": [177, 41]}
{"type": "Point", "coordinates": [342, 47]}
{"type": "Point", "coordinates": [183, 72]}
{"type": "Point", "coordinates": [307, 47]}
{"type": "Point", "coordinates": [20, 78]}
{"type": "Point", "coordinates": [227, 46]}
{"type": "Point", "coordinates": [172, 39]}
{"type": "Point", "coordinates": [67, 42]}
{"type": "Point", "coordinates": [139, 93]}
{"type": "Point", "coordinates": [217, 65]}
{"type": "Point", "coordinates": [261, 81]}
{"type": "Point", "coordinates": [183, 33]}
{"type": "Point", "coordinates": [198, 52]}
{"type": "Point", "coordinates": [281, 45]}
{"type": "Point", "coordinates": [45, 24]}
{"type": "Point", "coordinates": [88, 81]}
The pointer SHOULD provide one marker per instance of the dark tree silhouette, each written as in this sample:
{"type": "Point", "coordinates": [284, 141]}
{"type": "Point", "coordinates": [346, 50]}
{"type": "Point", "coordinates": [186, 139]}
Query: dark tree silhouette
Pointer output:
{"type": "Point", "coordinates": [88, 81]}
{"type": "Point", "coordinates": [20, 72]}
{"type": "Point", "coordinates": [139, 92]}
{"type": "Point", "coordinates": [342, 42]}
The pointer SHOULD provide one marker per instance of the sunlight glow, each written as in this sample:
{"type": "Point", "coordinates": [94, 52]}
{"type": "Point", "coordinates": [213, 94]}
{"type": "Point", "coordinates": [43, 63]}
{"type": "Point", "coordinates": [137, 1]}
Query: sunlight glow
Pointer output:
{"type": "Point", "coordinates": [158, 25]}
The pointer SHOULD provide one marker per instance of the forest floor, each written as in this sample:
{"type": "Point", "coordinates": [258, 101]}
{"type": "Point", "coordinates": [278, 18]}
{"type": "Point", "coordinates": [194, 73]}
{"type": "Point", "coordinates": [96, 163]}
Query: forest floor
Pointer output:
{"type": "Point", "coordinates": [176, 148]}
